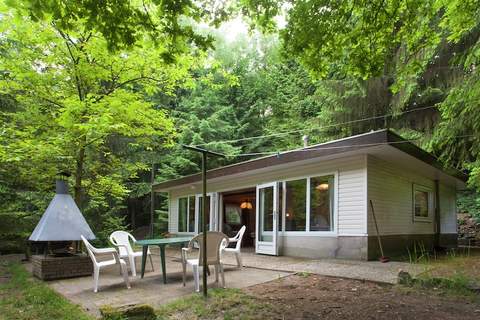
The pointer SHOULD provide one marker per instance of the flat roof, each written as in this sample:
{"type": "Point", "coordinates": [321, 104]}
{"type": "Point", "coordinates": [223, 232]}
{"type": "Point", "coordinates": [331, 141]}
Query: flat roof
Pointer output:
{"type": "Point", "coordinates": [357, 142]}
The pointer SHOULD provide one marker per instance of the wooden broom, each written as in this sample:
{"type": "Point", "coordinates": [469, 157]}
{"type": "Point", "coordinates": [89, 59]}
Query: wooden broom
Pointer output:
{"type": "Point", "coordinates": [382, 259]}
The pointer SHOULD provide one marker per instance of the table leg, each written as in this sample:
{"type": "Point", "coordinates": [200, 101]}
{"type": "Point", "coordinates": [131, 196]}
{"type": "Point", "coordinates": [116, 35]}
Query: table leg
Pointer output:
{"type": "Point", "coordinates": [162, 258]}
{"type": "Point", "coordinates": [144, 258]}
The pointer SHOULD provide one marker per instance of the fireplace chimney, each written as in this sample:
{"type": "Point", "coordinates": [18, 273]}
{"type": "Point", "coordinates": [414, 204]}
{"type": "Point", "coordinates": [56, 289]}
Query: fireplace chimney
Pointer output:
{"type": "Point", "coordinates": [62, 221]}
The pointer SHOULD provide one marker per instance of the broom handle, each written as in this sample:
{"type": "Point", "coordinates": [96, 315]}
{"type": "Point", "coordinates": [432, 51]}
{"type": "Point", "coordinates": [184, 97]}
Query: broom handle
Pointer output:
{"type": "Point", "coordinates": [376, 228]}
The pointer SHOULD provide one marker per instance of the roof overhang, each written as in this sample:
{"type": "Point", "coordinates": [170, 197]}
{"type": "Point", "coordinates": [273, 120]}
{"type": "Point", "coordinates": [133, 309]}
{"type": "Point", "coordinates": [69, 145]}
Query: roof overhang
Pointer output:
{"type": "Point", "coordinates": [380, 143]}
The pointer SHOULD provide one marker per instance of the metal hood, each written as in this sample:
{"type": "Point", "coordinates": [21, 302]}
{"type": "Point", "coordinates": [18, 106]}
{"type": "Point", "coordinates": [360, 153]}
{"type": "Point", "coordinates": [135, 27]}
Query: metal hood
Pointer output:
{"type": "Point", "coordinates": [62, 221]}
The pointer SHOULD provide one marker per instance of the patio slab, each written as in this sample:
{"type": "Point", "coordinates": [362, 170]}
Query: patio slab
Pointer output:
{"type": "Point", "coordinates": [258, 269]}
{"type": "Point", "coordinates": [352, 269]}
{"type": "Point", "coordinates": [151, 290]}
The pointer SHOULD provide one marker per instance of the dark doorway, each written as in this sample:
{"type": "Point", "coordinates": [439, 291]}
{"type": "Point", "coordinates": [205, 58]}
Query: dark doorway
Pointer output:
{"type": "Point", "coordinates": [238, 210]}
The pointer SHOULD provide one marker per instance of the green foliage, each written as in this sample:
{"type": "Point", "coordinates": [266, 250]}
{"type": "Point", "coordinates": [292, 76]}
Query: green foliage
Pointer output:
{"type": "Point", "coordinates": [469, 202]}
{"type": "Point", "coordinates": [26, 298]}
{"type": "Point", "coordinates": [75, 106]}
{"type": "Point", "coordinates": [418, 253]}
{"type": "Point", "coordinates": [456, 285]}
{"type": "Point", "coordinates": [416, 54]}
{"type": "Point", "coordinates": [135, 312]}
{"type": "Point", "coordinates": [125, 23]}
{"type": "Point", "coordinates": [103, 90]}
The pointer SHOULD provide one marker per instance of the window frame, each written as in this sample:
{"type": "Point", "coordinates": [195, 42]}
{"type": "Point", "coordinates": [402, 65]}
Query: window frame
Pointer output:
{"type": "Point", "coordinates": [431, 203]}
{"type": "Point", "coordinates": [334, 216]}
{"type": "Point", "coordinates": [197, 211]}
{"type": "Point", "coordinates": [284, 203]}
{"type": "Point", "coordinates": [188, 214]}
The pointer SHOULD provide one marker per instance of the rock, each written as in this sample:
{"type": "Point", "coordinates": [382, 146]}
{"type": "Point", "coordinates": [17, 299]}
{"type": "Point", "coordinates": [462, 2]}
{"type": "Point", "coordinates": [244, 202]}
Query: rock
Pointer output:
{"type": "Point", "coordinates": [468, 230]}
{"type": "Point", "coordinates": [128, 312]}
{"type": "Point", "coordinates": [474, 287]}
{"type": "Point", "coordinates": [404, 278]}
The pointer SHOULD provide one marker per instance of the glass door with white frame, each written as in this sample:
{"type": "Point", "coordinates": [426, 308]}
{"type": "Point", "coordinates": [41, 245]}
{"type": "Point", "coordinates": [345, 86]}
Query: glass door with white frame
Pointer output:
{"type": "Point", "coordinates": [211, 212]}
{"type": "Point", "coordinates": [267, 219]}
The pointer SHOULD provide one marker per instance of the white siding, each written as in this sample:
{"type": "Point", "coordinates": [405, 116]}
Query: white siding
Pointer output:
{"type": "Point", "coordinates": [448, 216]}
{"type": "Point", "coordinates": [351, 199]}
{"type": "Point", "coordinates": [172, 214]}
{"type": "Point", "coordinates": [390, 189]}
{"type": "Point", "coordinates": [351, 188]}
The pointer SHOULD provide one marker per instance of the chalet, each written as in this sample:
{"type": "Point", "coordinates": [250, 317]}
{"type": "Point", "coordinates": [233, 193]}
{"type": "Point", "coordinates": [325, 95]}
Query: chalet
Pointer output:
{"type": "Point", "coordinates": [315, 201]}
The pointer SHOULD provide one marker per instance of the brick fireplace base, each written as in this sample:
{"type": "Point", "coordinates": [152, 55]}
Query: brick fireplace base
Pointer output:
{"type": "Point", "coordinates": [53, 267]}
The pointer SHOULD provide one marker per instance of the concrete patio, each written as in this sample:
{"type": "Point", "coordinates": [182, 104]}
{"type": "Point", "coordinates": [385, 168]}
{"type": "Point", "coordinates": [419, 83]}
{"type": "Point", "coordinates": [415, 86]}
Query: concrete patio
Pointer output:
{"type": "Point", "coordinates": [151, 290]}
{"type": "Point", "coordinates": [352, 269]}
{"type": "Point", "coordinates": [258, 269]}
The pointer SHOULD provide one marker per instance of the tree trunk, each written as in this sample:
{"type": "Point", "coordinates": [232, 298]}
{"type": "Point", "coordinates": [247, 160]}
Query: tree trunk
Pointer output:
{"type": "Point", "coordinates": [79, 177]}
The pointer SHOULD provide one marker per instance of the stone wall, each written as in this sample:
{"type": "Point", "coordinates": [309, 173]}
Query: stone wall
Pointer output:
{"type": "Point", "coordinates": [51, 267]}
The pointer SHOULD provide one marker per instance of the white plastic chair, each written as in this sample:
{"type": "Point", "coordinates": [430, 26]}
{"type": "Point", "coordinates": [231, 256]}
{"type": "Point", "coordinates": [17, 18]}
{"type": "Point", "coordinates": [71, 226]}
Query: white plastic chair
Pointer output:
{"type": "Point", "coordinates": [121, 239]}
{"type": "Point", "coordinates": [238, 239]}
{"type": "Point", "coordinates": [97, 265]}
{"type": "Point", "coordinates": [216, 242]}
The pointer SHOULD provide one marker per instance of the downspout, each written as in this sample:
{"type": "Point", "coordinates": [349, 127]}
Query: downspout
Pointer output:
{"type": "Point", "coordinates": [437, 214]}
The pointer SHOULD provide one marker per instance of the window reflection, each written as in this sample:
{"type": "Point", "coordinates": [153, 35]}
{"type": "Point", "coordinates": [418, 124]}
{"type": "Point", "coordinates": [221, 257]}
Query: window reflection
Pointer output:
{"type": "Point", "coordinates": [295, 205]}
{"type": "Point", "coordinates": [321, 203]}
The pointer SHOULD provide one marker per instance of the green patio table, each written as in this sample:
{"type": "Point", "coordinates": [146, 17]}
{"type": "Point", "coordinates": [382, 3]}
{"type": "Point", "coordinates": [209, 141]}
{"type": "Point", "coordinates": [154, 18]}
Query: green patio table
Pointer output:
{"type": "Point", "coordinates": [161, 243]}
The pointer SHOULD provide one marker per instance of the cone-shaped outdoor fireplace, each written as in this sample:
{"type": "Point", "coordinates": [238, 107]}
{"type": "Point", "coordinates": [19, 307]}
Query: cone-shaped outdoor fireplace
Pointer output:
{"type": "Point", "coordinates": [61, 225]}
{"type": "Point", "coordinates": [62, 221]}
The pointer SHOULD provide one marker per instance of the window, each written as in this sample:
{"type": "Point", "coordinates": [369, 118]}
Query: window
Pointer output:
{"type": "Point", "coordinates": [422, 203]}
{"type": "Point", "coordinates": [191, 214]}
{"type": "Point", "coordinates": [296, 205]}
{"type": "Point", "coordinates": [200, 213]}
{"type": "Point", "coordinates": [309, 204]}
{"type": "Point", "coordinates": [186, 214]}
{"type": "Point", "coordinates": [182, 214]}
{"type": "Point", "coordinates": [321, 203]}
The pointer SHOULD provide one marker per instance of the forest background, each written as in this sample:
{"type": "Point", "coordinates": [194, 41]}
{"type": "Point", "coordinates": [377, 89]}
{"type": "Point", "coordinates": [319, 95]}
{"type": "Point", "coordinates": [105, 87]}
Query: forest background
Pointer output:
{"type": "Point", "coordinates": [109, 92]}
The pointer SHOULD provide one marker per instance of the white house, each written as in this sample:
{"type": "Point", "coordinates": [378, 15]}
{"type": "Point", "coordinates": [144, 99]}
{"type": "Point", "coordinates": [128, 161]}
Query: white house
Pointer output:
{"type": "Point", "coordinates": [314, 202]}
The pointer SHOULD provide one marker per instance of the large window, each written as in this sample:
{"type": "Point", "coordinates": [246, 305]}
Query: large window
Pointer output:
{"type": "Point", "coordinates": [422, 203]}
{"type": "Point", "coordinates": [309, 204]}
{"type": "Point", "coordinates": [188, 218]}
{"type": "Point", "coordinates": [186, 214]}
{"type": "Point", "coordinates": [191, 214]}
{"type": "Point", "coordinates": [321, 203]}
{"type": "Point", "coordinates": [200, 213]}
{"type": "Point", "coordinates": [295, 205]}
{"type": "Point", "coordinates": [182, 214]}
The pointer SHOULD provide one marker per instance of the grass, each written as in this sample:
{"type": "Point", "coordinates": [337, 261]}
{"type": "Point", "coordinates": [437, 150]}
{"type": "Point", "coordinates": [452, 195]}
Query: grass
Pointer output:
{"type": "Point", "coordinates": [22, 298]}
{"type": "Point", "coordinates": [221, 303]}
{"type": "Point", "coordinates": [458, 285]}
{"type": "Point", "coordinates": [303, 274]}
{"type": "Point", "coordinates": [453, 272]}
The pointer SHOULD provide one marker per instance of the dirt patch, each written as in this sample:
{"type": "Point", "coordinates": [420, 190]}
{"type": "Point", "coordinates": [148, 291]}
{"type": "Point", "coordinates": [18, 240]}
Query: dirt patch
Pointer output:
{"type": "Point", "coordinates": [4, 274]}
{"type": "Point", "coordinates": [316, 297]}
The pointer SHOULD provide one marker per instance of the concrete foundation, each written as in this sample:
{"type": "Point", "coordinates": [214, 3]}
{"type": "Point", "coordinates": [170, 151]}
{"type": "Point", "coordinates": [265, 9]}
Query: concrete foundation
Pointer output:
{"type": "Point", "coordinates": [399, 245]}
{"type": "Point", "coordinates": [316, 247]}
{"type": "Point", "coordinates": [359, 248]}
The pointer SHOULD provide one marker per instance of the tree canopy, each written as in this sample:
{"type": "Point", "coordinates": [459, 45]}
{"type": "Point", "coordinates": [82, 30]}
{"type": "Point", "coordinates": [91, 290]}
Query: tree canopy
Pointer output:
{"type": "Point", "coordinates": [76, 106]}
{"type": "Point", "coordinates": [108, 89]}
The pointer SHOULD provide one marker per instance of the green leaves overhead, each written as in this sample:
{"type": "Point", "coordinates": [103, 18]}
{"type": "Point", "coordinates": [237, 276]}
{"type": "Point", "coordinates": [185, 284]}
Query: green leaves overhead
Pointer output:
{"type": "Point", "coordinates": [77, 106]}
{"type": "Point", "coordinates": [124, 23]}
{"type": "Point", "coordinates": [359, 38]}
